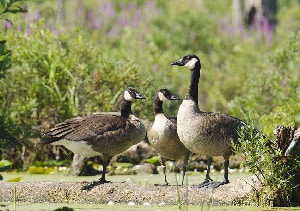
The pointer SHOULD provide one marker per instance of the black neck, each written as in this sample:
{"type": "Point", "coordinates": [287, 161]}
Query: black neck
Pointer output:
{"type": "Point", "coordinates": [125, 108]}
{"type": "Point", "coordinates": [157, 105]}
{"type": "Point", "coordinates": [193, 89]}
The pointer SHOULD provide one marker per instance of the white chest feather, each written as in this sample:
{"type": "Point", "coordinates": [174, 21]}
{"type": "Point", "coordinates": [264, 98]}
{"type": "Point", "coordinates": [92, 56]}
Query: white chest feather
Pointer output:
{"type": "Point", "coordinates": [78, 147]}
{"type": "Point", "coordinates": [161, 123]}
{"type": "Point", "coordinates": [186, 121]}
{"type": "Point", "coordinates": [187, 110]}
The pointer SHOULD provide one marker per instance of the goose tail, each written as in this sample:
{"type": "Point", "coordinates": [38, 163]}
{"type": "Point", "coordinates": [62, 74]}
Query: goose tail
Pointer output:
{"type": "Point", "coordinates": [48, 138]}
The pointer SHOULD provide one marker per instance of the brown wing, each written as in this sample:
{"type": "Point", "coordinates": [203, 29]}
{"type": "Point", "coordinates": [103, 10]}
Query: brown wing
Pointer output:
{"type": "Point", "coordinates": [84, 128]}
{"type": "Point", "coordinates": [226, 125]}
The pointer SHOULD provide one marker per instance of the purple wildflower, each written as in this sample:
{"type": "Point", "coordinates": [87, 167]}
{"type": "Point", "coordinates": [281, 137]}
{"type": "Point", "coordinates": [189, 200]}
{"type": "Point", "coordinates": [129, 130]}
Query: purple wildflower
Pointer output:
{"type": "Point", "coordinates": [283, 83]}
{"type": "Point", "coordinates": [268, 30]}
{"type": "Point", "coordinates": [137, 17]}
{"type": "Point", "coordinates": [37, 15]}
{"type": "Point", "coordinates": [28, 31]}
{"type": "Point", "coordinates": [109, 10]}
{"type": "Point", "coordinates": [7, 25]}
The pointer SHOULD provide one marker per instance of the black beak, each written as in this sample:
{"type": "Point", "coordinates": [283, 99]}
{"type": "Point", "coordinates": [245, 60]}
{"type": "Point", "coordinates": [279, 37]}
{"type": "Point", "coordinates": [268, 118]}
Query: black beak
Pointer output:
{"type": "Point", "coordinates": [139, 96]}
{"type": "Point", "coordinates": [178, 63]}
{"type": "Point", "coordinates": [173, 97]}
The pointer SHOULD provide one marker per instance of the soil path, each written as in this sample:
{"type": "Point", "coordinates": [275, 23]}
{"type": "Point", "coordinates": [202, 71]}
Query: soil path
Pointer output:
{"type": "Point", "coordinates": [235, 193]}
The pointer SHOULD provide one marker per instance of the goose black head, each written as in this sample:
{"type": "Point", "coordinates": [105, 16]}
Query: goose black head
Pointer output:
{"type": "Point", "coordinates": [131, 94]}
{"type": "Point", "coordinates": [165, 94]}
{"type": "Point", "coordinates": [189, 61]}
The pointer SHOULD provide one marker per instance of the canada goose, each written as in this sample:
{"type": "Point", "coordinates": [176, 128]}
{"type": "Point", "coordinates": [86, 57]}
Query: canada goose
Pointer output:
{"type": "Point", "coordinates": [294, 142]}
{"type": "Point", "coordinates": [162, 134]}
{"type": "Point", "coordinates": [102, 133]}
{"type": "Point", "coordinates": [204, 133]}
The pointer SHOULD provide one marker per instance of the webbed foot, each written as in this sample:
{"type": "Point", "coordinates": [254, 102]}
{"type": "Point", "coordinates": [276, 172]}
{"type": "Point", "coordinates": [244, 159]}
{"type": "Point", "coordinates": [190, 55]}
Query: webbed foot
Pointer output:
{"type": "Point", "coordinates": [214, 185]}
{"type": "Point", "coordinates": [90, 186]}
{"type": "Point", "coordinates": [204, 183]}
{"type": "Point", "coordinates": [211, 184]}
{"type": "Point", "coordinates": [164, 184]}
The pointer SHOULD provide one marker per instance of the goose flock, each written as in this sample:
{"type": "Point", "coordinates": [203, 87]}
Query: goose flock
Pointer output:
{"type": "Point", "coordinates": [175, 138]}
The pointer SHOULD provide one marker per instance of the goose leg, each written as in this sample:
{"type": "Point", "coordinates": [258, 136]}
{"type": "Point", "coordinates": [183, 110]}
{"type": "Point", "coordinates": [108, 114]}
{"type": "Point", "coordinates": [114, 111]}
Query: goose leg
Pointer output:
{"type": "Point", "coordinates": [226, 166]}
{"type": "Point", "coordinates": [163, 164]}
{"type": "Point", "coordinates": [106, 159]}
{"type": "Point", "coordinates": [208, 164]}
{"type": "Point", "coordinates": [207, 179]}
{"type": "Point", "coordinates": [225, 180]}
{"type": "Point", "coordinates": [102, 180]}
{"type": "Point", "coordinates": [185, 162]}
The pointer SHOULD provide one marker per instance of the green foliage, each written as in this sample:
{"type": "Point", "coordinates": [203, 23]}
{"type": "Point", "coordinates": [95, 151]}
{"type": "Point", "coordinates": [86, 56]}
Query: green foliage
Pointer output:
{"type": "Point", "coordinates": [9, 130]}
{"type": "Point", "coordinates": [5, 58]}
{"type": "Point", "coordinates": [16, 179]}
{"type": "Point", "coordinates": [39, 170]}
{"type": "Point", "coordinates": [153, 160]}
{"type": "Point", "coordinates": [266, 160]}
{"type": "Point", "coordinates": [5, 165]}
{"type": "Point", "coordinates": [56, 80]}
{"type": "Point", "coordinates": [12, 135]}
{"type": "Point", "coordinates": [272, 92]}
{"type": "Point", "coordinates": [10, 6]}
{"type": "Point", "coordinates": [275, 99]}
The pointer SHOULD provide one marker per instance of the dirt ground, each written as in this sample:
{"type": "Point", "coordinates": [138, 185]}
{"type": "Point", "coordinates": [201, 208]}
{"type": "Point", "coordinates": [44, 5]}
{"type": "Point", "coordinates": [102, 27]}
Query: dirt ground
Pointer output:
{"type": "Point", "coordinates": [235, 193]}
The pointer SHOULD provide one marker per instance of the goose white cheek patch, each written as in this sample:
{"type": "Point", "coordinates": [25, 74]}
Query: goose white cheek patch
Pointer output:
{"type": "Point", "coordinates": [161, 97]}
{"type": "Point", "coordinates": [191, 64]}
{"type": "Point", "coordinates": [127, 96]}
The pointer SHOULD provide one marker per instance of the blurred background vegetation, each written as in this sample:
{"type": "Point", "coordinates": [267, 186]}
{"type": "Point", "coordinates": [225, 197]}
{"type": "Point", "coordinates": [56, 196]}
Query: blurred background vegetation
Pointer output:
{"type": "Point", "coordinates": [65, 58]}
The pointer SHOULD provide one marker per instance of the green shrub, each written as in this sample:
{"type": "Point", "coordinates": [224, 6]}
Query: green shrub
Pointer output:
{"type": "Point", "coordinates": [279, 175]}
{"type": "Point", "coordinates": [57, 77]}
{"type": "Point", "coordinates": [275, 103]}
{"type": "Point", "coordinates": [272, 93]}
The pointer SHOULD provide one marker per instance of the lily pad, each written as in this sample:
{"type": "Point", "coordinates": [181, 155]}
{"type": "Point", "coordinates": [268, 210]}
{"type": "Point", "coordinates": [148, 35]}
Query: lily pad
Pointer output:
{"type": "Point", "coordinates": [39, 170]}
{"type": "Point", "coordinates": [16, 179]}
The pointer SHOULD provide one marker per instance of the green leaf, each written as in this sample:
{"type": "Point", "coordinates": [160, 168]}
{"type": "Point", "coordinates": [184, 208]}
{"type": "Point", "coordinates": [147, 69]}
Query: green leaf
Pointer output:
{"type": "Point", "coordinates": [5, 165]}
{"type": "Point", "coordinates": [152, 160]}
{"type": "Point", "coordinates": [3, 3]}
{"type": "Point", "coordinates": [22, 10]}
{"type": "Point", "coordinates": [16, 179]}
